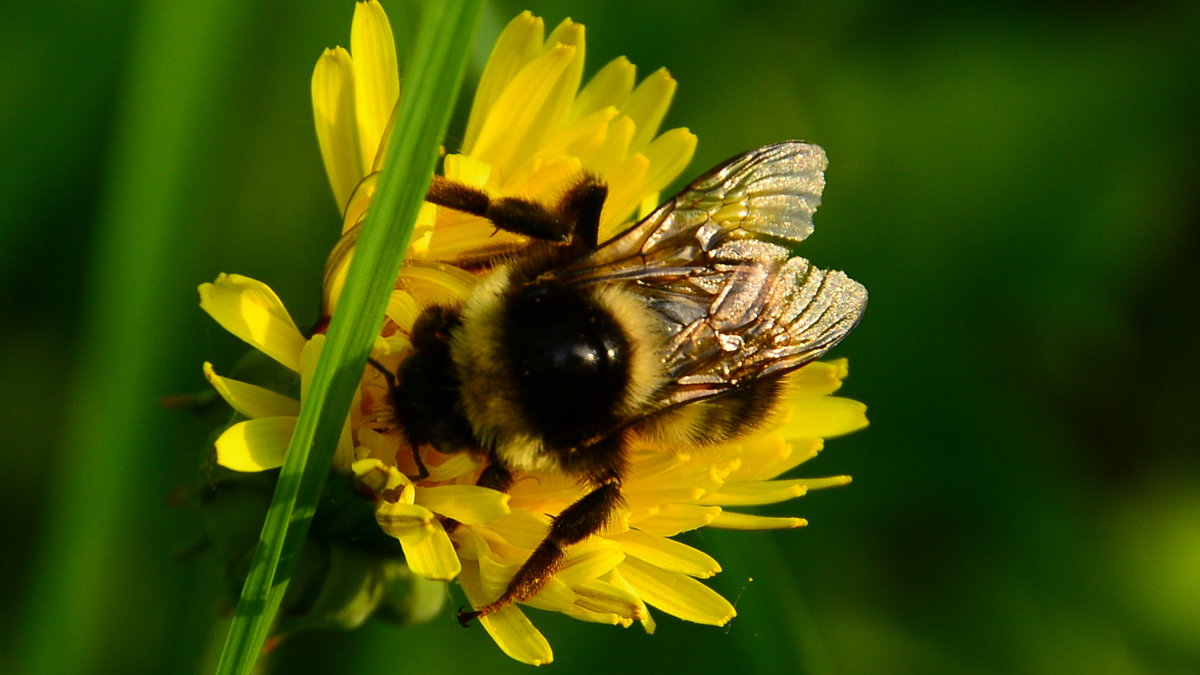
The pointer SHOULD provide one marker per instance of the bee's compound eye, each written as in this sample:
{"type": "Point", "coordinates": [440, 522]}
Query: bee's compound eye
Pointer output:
{"type": "Point", "coordinates": [570, 360]}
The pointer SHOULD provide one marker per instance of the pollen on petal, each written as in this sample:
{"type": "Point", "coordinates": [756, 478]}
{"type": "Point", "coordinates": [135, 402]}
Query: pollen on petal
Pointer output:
{"type": "Point", "coordinates": [677, 594]}
{"type": "Point", "coordinates": [251, 400]}
{"type": "Point", "coordinates": [255, 445]}
{"type": "Point", "coordinates": [250, 310]}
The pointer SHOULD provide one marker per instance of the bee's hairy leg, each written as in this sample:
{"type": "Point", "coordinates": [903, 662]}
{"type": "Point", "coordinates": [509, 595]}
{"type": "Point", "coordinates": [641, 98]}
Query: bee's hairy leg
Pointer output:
{"type": "Point", "coordinates": [576, 219]}
{"type": "Point", "coordinates": [577, 522]}
{"type": "Point", "coordinates": [520, 216]}
{"type": "Point", "coordinates": [582, 205]}
{"type": "Point", "coordinates": [394, 393]}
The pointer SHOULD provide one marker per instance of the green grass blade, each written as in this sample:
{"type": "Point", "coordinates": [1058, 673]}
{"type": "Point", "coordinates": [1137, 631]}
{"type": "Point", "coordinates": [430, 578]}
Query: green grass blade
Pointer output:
{"type": "Point", "coordinates": [136, 315]}
{"type": "Point", "coordinates": [431, 83]}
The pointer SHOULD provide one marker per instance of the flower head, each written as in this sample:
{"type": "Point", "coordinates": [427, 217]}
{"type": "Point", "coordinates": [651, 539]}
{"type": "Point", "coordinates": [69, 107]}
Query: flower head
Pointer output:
{"type": "Point", "coordinates": [534, 128]}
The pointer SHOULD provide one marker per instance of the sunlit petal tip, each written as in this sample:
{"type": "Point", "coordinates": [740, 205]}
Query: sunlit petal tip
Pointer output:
{"type": "Point", "coordinates": [431, 556]}
{"type": "Point", "coordinates": [819, 378]}
{"type": "Point", "coordinates": [677, 594]}
{"type": "Point", "coordinates": [519, 42]}
{"type": "Point", "coordinates": [610, 87]}
{"type": "Point", "coordinates": [670, 154]}
{"type": "Point", "coordinates": [825, 417]}
{"type": "Point", "coordinates": [526, 110]}
{"type": "Point", "coordinates": [376, 76]}
{"type": "Point", "coordinates": [250, 310]}
{"type": "Point", "coordinates": [648, 105]}
{"type": "Point", "coordinates": [333, 98]}
{"type": "Point", "coordinates": [255, 445]}
{"type": "Point", "coordinates": [516, 636]}
{"type": "Point", "coordinates": [729, 520]}
{"type": "Point", "coordinates": [251, 400]}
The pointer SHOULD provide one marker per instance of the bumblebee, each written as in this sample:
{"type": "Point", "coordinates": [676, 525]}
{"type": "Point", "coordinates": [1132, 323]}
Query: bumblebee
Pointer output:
{"type": "Point", "coordinates": [679, 329]}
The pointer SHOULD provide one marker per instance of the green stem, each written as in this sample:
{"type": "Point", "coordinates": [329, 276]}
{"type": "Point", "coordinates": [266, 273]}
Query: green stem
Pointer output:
{"type": "Point", "coordinates": [97, 514]}
{"type": "Point", "coordinates": [431, 84]}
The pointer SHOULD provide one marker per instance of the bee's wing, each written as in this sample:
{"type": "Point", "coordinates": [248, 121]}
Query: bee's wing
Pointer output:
{"type": "Point", "coordinates": [712, 262]}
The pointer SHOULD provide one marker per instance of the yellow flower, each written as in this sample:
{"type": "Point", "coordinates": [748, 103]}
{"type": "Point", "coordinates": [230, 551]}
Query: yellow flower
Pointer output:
{"type": "Point", "coordinates": [532, 130]}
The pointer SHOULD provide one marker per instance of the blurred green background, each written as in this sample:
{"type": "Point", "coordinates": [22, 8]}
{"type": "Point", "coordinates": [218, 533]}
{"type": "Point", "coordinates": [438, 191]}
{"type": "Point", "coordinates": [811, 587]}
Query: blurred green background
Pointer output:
{"type": "Point", "coordinates": [1014, 183]}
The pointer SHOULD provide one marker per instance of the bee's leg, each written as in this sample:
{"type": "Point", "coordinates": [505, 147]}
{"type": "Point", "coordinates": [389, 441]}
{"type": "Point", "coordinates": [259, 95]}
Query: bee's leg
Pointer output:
{"type": "Point", "coordinates": [520, 216]}
{"type": "Point", "coordinates": [394, 394]}
{"type": "Point", "coordinates": [582, 205]}
{"type": "Point", "coordinates": [577, 522]}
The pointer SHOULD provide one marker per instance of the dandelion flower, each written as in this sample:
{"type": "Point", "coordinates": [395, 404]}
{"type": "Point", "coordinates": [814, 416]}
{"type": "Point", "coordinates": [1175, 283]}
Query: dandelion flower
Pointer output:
{"type": "Point", "coordinates": [534, 127]}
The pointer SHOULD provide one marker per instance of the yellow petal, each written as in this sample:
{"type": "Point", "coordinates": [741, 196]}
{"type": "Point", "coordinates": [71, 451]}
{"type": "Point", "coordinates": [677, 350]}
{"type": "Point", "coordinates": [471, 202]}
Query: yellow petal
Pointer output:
{"type": "Point", "coordinates": [824, 416]}
{"type": "Point", "coordinates": [516, 120]}
{"type": "Point", "coordinates": [377, 475]}
{"type": "Point", "coordinates": [819, 378]}
{"type": "Point", "coordinates": [431, 556]}
{"type": "Point", "coordinates": [376, 76]}
{"type": "Point", "coordinates": [589, 559]}
{"type": "Point", "coordinates": [785, 456]}
{"type": "Point", "coordinates": [468, 504]}
{"type": "Point", "coordinates": [518, 44]}
{"type": "Point", "coordinates": [454, 466]}
{"type": "Point", "coordinates": [648, 104]}
{"type": "Point", "coordinates": [251, 400]}
{"type": "Point", "coordinates": [610, 87]}
{"type": "Point", "coordinates": [606, 599]}
{"type": "Point", "coordinates": [559, 106]}
{"type": "Point", "coordinates": [402, 309]}
{"type": "Point", "coordinates": [677, 594]}
{"type": "Point", "coordinates": [511, 630]}
{"type": "Point", "coordinates": [250, 310]}
{"type": "Point", "coordinates": [520, 528]}
{"type": "Point", "coordinates": [515, 636]}
{"type": "Point", "coordinates": [583, 138]}
{"type": "Point", "coordinates": [669, 155]}
{"type": "Point", "coordinates": [613, 148]}
{"type": "Point", "coordinates": [255, 445]}
{"type": "Point", "coordinates": [466, 170]}
{"type": "Point", "coordinates": [405, 520]}
{"type": "Point", "coordinates": [337, 127]}
{"type": "Point", "coordinates": [344, 454]}
{"type": "Point", "coordinates": [753, 493]}
{"type": "Point", "coordinates": [729, 520]}
{"type": "Point", "coordinates": [667, 554]}
{"type": "Point", "coordinates": [436, 283]}
{"type": "Point", "coordinates": [543, 178]}
{"type": "Point", "coordinates": [671, 519]}
{"type": "Point", "coordinates": [644, 616]}
{"type": "Point", "coordinates": [625, 189]}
